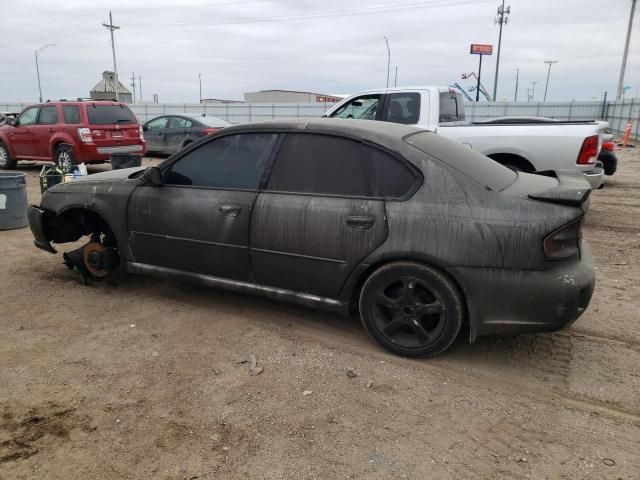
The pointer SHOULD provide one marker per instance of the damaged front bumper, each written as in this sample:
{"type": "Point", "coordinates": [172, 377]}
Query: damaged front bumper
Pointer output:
{"type": "Point", "coordinates": [36, 222]}
{"type": "Point", "coordinates": [510, 301]}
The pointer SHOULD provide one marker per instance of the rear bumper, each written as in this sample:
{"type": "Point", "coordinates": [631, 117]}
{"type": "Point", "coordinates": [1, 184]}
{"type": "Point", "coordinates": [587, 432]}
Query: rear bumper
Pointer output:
{"type": "Point", "coordinates": [89, 153]}
{"type": "Point", "coordinates": [506, 302]}
{"type": "Point", "coordinates": [36, 222]}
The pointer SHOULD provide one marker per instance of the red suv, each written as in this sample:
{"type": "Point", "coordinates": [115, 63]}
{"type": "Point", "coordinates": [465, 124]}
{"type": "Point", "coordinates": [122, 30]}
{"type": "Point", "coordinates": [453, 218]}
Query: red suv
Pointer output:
{"type": "Point", "coordinates": [70, 133]}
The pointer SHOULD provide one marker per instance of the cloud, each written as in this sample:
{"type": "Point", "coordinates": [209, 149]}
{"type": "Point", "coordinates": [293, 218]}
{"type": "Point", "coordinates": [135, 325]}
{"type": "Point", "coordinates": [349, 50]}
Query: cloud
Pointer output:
{"type": "Point", "coordinates": [332, 46]}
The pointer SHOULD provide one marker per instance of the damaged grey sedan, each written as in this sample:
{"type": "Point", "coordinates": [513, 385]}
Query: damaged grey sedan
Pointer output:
{"type": "Point", "coordinates": [423, 238]}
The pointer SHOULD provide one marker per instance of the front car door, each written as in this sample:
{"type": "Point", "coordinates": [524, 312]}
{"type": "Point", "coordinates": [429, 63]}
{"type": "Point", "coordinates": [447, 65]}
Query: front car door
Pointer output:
{"type": "Point", "coordinates": [317, 218]}
{"type": "Point", "coordinates": [364, 107]}
{"type": "Point", "coordinates": [21, 135]}
{"type": "Point", "coordinates": [177, 130]}
{"type": "Point", "coordinates": [198, 220]}
{"type": "Point", "coordinates": [154, 131]}
{"type": "Point", "coordinates": [43, 130]}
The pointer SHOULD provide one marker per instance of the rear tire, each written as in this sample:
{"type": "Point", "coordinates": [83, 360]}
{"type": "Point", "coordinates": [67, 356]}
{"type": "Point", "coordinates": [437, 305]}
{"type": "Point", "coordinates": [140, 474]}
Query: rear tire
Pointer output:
{"type": "Point", "coordinates": [6, 162]}
{"type": "Point", "coordinates": [65, 158]}
{"type": "Point", "coordinates": [411, 309]}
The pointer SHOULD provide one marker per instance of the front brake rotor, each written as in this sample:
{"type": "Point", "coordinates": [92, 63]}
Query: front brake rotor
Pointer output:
{"type": "Point", "coordinates": [93, 259]}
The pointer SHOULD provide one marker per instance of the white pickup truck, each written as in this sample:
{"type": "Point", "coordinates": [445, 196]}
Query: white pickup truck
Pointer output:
{"type": "Point", "coordinates": [523, 143]}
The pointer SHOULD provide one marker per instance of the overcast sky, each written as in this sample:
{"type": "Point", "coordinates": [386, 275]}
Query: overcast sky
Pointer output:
{"type": "Point", "coordinates": [333, 46]}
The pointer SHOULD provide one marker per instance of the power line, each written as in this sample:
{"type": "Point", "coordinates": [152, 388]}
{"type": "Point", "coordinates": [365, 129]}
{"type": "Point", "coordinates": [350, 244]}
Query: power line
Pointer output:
{"type": "Point", "coordinates": [501, 19]}
{"type": "Point", "coordinates": [626, 52]}
{"type": "Point", "coordinates": [111, 27]}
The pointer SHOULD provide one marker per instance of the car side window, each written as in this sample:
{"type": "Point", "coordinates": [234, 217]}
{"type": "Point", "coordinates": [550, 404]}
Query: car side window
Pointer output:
{"type": "Point", "coordinates": [390, 178]}
{"type": "Point", "coordinates": [233, 161]}
{"type": "Point", "coordinates": [157, 123]}
{"type": "Point", "coordinates": [364, 108]}
{"type": "Point", "coordinates": [403, 108]}
{"type": "Point", "coordinates": [320, 164]}
{"type": "Point", "coordinates": [179, 122]}
{"type": "Point", "coordinates": [48, 115]}
{"type": "Point", "coordinates": [28, 117]}
{"type": "Point", "coordinates": [71, 114]}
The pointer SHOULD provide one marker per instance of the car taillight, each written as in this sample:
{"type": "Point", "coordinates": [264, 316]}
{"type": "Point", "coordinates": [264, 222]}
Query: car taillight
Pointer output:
{"type": "Point", "coordinates": [85, 135]}
{"type": "Point", "coordinates": [564, 242]}
{"type": "Point", "coordinates": [209, 131]}
{"type": "Point", "coordinates": [141, 133]}
{"type": "Point", "coordinates": [608, 146]}
{"type": "Point", "coordinates": [589, 151]}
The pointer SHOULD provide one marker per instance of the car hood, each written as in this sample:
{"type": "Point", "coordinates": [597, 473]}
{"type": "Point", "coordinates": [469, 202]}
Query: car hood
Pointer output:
{"type": "Point", "coordinates": [109, 176]}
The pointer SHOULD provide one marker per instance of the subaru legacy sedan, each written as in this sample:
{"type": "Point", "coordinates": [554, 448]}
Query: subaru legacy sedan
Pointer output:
{"type": "Point", "coordinates": [420, 236]}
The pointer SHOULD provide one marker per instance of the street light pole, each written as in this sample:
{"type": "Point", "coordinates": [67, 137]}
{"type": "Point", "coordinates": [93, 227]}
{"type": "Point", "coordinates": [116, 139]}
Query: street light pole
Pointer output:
{"type": "Point", "coordinates": [36, 53]}
{"type": "Point", "coordinates": [501, 19]}
{"type": "Point", "coordinates": [388, 59]}
{"type": "Point", "coordinates": [395, 82]}
{"type": "Point", "coordinates": [533, 89]}
{"type": "Point", "coordinates": [515, 97]}
{"type": "Point", "coordinates": [200, 80]}
{"type": "Point", "coordinates": [546, 85]}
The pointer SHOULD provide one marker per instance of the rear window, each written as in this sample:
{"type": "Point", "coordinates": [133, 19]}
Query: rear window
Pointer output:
{"type": "Point", "coordinates": [451, 107]}
{"type": "Point", "coordinates": [489, 173]}
{"type": "Point", "coordinates": [110, 114]}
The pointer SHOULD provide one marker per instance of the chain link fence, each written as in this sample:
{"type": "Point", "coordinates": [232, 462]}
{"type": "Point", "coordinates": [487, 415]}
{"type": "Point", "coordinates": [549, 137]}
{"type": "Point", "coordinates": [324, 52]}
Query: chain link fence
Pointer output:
{"type": "Point", "coordinates": [617, 113]}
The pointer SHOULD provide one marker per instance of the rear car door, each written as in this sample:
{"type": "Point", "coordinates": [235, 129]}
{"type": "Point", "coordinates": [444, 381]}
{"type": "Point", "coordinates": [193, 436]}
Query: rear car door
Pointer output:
{"type": "Point", "coordinates": [175, 134]}
{"type": "Point", "coordinates": [43, 130]}
{"type": "Point", "coordinates": [317, 218]}
{"type": "Point", "coordinates": [154, 131]}
{"type": "Point", "coordinates": [21, 135]}
{"type": "Point", "coordinates": [198, 220]}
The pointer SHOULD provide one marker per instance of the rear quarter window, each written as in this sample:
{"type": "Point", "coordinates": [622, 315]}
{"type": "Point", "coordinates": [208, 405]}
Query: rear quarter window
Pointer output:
{"type": "Point", "coordinates": [110, 114]}
{"type": "Point", "coordinates": [487, 172]}
{"type": "Point", "coordinates": [451, 107]}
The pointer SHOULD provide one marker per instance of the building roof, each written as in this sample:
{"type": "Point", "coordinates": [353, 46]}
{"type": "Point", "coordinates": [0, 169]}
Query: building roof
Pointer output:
{"type": "Point", "coordinates": [108, 84]}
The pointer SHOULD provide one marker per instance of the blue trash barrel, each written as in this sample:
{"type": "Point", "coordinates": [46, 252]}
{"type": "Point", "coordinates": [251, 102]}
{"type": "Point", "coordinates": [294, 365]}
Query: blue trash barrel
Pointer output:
{"type": "Point", "coordinates": [13, 201]}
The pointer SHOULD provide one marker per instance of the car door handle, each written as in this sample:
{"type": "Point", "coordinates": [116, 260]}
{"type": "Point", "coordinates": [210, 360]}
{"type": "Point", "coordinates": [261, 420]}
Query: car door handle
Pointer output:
{"type": "Point", "coordinates": [362, 222]}
{"type": "Point", "coordinates": [51, 130]}
{"type": "Point", "coordinates": [230, 210]}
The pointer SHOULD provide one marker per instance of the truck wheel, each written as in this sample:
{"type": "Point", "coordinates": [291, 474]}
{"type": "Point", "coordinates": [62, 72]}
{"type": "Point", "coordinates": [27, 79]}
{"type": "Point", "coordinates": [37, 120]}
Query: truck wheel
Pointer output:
{"type": "Point", "coordinates": [411, 309]}
{"type": "Point", "coordinates": [6, 162]}
{"type": "Point", "coordinates": [65, 158]}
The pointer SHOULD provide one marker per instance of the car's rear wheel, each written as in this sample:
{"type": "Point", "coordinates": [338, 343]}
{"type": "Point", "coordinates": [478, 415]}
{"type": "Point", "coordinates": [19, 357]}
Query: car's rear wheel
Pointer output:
{"type": "Point", "coordinates": [411, 309]}
{"type": "Point", "coordinates": [65, 158]}
{"type": "Point", "coordinates": [6, 162]}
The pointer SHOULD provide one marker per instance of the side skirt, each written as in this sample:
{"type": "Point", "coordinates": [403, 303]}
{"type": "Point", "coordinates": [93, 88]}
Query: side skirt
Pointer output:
{"type": "Point", "coordinates": [280, 294]}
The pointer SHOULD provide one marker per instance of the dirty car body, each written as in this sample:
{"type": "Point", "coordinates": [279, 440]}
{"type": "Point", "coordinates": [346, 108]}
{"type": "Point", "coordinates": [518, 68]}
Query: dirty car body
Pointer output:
{"type": "Point", "coordinates": [420, 235]}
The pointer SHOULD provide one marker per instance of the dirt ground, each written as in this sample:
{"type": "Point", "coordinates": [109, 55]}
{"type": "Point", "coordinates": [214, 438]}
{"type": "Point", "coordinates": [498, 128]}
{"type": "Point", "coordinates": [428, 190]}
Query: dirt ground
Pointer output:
{"type": "Point", "coordinates": [141, 379]}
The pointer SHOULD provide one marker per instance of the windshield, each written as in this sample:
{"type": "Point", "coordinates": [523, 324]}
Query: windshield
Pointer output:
{"type": "Point", "coordinates": [489, 173]}
{"type": "Point", "coordinates": [110, 114]}
{"type": "Point", "coordinates": [451, 107]}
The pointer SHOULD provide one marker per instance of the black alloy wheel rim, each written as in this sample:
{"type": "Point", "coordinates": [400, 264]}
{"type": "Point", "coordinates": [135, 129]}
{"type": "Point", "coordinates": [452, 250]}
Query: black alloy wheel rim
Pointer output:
{"type": "Point", "coordinates": [64, 161]}
{"type": "Point", "coordinates": [408, 313]}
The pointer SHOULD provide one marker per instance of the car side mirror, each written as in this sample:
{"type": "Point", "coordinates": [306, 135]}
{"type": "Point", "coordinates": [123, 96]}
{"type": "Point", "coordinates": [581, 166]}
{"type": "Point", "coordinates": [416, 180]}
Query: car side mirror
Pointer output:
{"type": "Point", "coordinates": [11, 121]}
{"type": "Point", "coordinates": [145, 128]}
{"type": "Point", "coordinates": [153, 176]}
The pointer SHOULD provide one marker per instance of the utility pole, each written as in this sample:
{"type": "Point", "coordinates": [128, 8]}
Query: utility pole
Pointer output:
{"type": "Point", "coordinates": [200, 79]}
{"type": "Point", "coordinates": [546, 85]}
{"type": "Point", "coordinates": [626, 52]}
{"type": "Point", "coordinates": [388, 59]}
{"type": "Point", "coordinates": [501, 19]}
{"type": "Point", "coordinates": [395, 82]}
{"type": "Point", "coordinates": [533, 89]}
{"type": "Point", "coordinates": [38, 52]}
{"type": "Point", "coordinates": [111, 27]}
{"type": "Point", "coordinates": [133, 85]}
{"type": "Point", "coordinates": [515, 97]}
{"type": "Point", "coordinates": [140, 87]}
{"type": "Point", "coordinates": [528, 94]}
